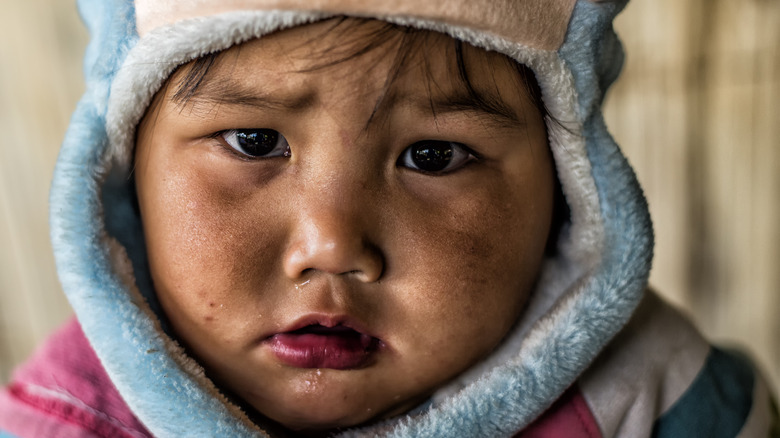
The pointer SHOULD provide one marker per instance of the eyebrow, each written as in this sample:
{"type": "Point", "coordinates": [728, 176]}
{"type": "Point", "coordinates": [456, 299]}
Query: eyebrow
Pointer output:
{"type": "Point", "coordinates": [484, 104]}
{"type": "Point", "coordinates": [234, 93]}
{"type": "Point", "coordinates": [493, 107]}
{"type": "Point", "coordinates": [231, 92]}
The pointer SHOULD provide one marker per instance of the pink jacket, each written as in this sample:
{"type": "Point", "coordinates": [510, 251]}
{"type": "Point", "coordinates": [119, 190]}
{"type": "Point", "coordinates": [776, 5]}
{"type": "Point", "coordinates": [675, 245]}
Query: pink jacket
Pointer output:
{"type": "Point", "coordinates": [64, 392]}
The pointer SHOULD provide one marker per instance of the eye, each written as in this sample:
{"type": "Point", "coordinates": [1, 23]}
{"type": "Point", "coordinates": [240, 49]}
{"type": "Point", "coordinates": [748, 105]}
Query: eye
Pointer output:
{"type": "Point", "coordinates": [257, 143]}
{"type": "Point", "coordinates": [435, 156]}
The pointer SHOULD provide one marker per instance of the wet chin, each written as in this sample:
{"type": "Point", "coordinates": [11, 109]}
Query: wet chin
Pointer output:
{"type": "Point", "coordinates": [321, 415]}
{"type": "Point", "coordinates": [319, 419]}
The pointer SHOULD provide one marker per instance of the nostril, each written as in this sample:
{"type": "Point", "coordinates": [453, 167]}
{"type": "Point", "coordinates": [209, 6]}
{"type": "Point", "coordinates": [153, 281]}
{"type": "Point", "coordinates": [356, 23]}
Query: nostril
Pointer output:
{"type": "Point", "coordinates": [331, 250]}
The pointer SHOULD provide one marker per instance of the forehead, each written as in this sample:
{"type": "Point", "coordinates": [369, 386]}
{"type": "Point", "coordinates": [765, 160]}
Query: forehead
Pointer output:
{"type": "Point", "coordinates": [540, 24]}
{"type": "Point", "coordinates": [387, 65]}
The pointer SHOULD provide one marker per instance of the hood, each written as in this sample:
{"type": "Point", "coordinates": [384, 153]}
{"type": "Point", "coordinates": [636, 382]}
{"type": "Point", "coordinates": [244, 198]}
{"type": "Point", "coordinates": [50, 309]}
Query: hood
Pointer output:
{"type": "Point", "coordinates": [584, 296]}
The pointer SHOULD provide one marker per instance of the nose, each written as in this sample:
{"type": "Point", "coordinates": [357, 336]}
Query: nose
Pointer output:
{"type": "Point", "coordinates": [331, 235]}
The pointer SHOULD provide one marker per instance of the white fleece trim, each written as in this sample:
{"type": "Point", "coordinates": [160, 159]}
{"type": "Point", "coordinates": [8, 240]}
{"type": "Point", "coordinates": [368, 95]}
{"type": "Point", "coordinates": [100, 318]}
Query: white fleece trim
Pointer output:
{"type": "Point", "coordinates": [535, 23]}
{"type": "Point", "coordinates": [560, 288]}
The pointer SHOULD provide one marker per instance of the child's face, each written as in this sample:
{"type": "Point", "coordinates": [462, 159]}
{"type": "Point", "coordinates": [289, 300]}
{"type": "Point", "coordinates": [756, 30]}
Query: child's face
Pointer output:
{"type": "Point", "coordinates": [326, 268]}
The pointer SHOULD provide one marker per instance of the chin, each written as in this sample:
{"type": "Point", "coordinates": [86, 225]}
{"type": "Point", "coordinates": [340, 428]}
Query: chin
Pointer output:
{"type": "Point", "coordinates": [316, 423]}
{"type": "Point", "coordinates": [324, 415]}
{"type": "Point", "coordinates": [316, 414]}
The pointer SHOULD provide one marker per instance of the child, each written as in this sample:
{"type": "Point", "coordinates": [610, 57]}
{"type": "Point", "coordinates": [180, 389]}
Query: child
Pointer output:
{"type": "Point", "coordinates": [280, 218]}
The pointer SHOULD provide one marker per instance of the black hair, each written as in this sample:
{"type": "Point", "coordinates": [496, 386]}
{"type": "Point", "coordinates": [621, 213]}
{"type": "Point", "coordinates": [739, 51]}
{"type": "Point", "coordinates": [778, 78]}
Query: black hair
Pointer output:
{"type": "Point", "coordinates": [407, 41]}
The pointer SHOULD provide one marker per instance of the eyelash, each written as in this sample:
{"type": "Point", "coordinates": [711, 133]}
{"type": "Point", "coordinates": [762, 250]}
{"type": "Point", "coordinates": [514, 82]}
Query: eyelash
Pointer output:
{"type": "Point", "coordinates": [441, 157]}
{"type": "Point", "coordinates": [266, 141]}
{"type": "Point", "coordinates": [458, 156]}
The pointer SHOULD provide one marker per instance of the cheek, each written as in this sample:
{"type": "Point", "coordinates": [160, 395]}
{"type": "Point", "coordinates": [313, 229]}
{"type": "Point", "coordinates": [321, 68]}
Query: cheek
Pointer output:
{"type": "Point", "coordinates": [205, 245]}
{"type": "Point", "coordinates": [468, 268]}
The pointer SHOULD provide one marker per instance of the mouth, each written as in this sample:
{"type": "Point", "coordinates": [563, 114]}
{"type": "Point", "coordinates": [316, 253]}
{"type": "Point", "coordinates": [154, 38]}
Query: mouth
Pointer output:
{"type": "Point", "coordinates": [317, 346]}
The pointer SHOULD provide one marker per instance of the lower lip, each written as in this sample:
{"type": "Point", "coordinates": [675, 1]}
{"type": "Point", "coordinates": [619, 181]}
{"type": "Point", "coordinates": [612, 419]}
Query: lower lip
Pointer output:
{"type": "Point", "coordinates": [340, 352]}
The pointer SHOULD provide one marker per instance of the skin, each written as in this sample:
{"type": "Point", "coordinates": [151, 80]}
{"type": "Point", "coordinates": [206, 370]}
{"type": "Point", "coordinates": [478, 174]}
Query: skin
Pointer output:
{"type": "Point", "coordinates": [437, 266]}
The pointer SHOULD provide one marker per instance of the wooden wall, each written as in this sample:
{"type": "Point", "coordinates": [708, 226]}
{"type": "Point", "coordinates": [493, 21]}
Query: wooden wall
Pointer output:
{"type": "Point", "coordinates": [697, 112]}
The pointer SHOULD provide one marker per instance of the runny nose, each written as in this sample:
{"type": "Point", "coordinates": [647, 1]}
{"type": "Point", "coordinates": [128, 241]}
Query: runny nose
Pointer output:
{"type": "Point", "coordinates": [328, 238]}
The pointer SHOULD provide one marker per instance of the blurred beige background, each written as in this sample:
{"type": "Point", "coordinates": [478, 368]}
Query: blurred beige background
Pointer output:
{"type": "Point", "coordinates": [697, 111]}
{"type": "Point", "coordinates": [41, 46]}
